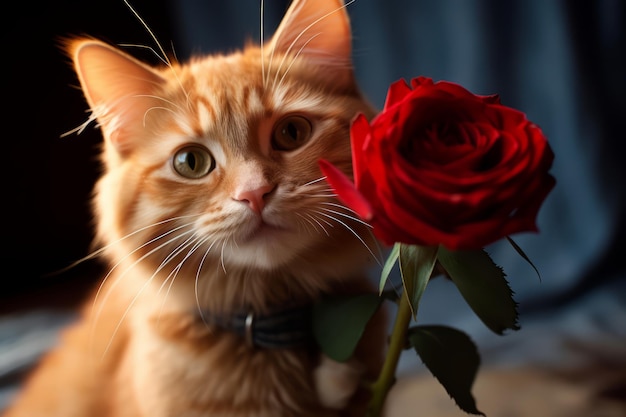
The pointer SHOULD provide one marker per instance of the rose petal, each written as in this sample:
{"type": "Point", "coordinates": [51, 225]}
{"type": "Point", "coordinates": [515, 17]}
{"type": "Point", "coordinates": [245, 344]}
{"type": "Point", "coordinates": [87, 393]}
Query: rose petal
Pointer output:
{"type": "Point", "coordinates": [345, 190]}
{"type": "Point", "coordinates": [359, 140]}
{"type": "Point", "coordinates": [490, 99]}
{"type": "Point", "coordinates": [455, 91]}
{"type": "Point", "coordinates": [421, 81]}
{"type": "Point", "coordinates": [396, 93]}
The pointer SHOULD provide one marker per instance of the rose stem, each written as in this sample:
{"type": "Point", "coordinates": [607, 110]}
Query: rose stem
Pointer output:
{"type": "Point", "coordinates": [397, 342]}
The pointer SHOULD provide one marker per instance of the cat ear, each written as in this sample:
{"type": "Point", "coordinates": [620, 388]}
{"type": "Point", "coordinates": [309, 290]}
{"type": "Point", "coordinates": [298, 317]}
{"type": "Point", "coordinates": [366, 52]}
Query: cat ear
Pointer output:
{"type": "Point", "coordinates": [318, 30]}
{"type": "Point", "coordinates": [117, 87]}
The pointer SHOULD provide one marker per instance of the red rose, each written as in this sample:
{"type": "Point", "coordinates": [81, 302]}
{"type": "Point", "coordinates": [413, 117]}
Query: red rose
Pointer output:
{"type": "Point", "coordinates": [440, 165]}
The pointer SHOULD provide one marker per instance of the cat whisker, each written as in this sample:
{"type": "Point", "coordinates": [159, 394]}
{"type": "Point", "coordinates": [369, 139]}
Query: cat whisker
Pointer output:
{"type": "Point", "coordinates": [99, 251]}
{"type": "Point", "coordinates": [171, 277]}
{"type": "Point", "coordinates": [119, 279]}
{"type": "Point", "coordinates": [173, 51]}
{"type": "Point", "coordinates": [351, 230]}
{"type": "Point", "coordinates": [317, 185]}
{"type": "Point", "coordinates": [156, 108]}
{"type": "Point", "coordinates": [269, 64]}
{"type": "Point", "coordinates": [369, 226]}
{"type": "Point", "coordinates": [306, 29]}
{"type": "Point", "coordinates": [356, 219]}
{"type": "Point", "coordinates": [313, 182]}
{"type": "Point", "coordinates": [233, 242]}
{"type": "Point", "coordinates": [146, 284]}
{"type": "Point", "coordinates": [341, 206]}
{"type": "Point", "coordinates": [314, 222]}
{"type": "Point", "coordinates": [163, 57]}
{"type": "Point", "coordinates": [121, 276]}
{"type": "Point", "coordinates": [177, 251]}
{"type": "Point", "coordinates": [305, 220]}
{"type": "Point", "coordinates": [81, 128]}
{"type": "Point", "coordinates": [262, 37]}
{"type": "Point", "coordinates": [149, 48]}
{"type": "Point", "coordinates": [329, 224]}
{"type": "Point", "coordinates": [199, 242]}
{"type": "Point", "coordinates": [121, 260]}
{"type": "Point", "coordinates": [162, 99]}
{"type": "Point", "coordinates": [197, 280]}
{"type": "Point", "coordinates": [196, 242]}
{"type": "Point", "coordinates": [121, 320]}
{"type": "Point", "coordinates": [222, 255]}
{"type": "Point", "coordinates": [302, 223]}
{"type": "Point", "coordinates": [293, 60]}
{"type": "Point", "coordinates": [322, 195]}
{"type": "Point", "coordinates": [323, 191]}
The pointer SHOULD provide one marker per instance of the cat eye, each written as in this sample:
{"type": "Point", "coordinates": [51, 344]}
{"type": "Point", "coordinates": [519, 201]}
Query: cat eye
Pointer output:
{"type": "Point", "coordinates": [193, 162]}
{"type": "Point", "coordinates": [291, 132]}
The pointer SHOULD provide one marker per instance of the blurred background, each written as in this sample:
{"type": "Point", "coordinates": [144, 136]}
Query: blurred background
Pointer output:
{"type": "Point", "coordinates": [563, 63]}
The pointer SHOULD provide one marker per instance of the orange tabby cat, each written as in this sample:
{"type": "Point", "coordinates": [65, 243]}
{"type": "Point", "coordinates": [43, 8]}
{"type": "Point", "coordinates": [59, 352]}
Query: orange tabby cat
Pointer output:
{"type": "Point", "coordinates": [216, 221]}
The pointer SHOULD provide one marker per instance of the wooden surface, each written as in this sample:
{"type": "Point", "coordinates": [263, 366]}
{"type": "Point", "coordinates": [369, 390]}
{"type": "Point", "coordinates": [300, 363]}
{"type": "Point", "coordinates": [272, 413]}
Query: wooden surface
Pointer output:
{"type": "Point", "coordinates": [517, 393]}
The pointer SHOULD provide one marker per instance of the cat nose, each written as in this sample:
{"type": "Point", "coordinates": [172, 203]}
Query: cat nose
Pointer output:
{"type": "Point", "coordinates": [256, 197]}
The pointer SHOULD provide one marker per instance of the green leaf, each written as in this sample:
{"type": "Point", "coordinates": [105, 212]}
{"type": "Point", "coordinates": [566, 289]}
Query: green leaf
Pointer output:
{"type": "Point", "coordinates": [339, 322]}
{"type": "Point", "coordinates": [452, 358]}
{"type": "Point", "coordinates": [416, 266]}
{"type": "Point", "coordinates": [389, 264]}
{"type": "Point", "coordinates": [521, 253]}
{"type": "Point", "coordinates": [484, 286]}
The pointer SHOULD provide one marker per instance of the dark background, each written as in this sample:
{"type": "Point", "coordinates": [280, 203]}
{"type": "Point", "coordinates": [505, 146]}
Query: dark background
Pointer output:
{"type": "Point", "coordinates": [48, 179]}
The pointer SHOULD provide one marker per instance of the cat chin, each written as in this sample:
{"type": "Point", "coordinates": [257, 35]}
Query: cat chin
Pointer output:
{"type": "Point", "coordinates": [266, 250]}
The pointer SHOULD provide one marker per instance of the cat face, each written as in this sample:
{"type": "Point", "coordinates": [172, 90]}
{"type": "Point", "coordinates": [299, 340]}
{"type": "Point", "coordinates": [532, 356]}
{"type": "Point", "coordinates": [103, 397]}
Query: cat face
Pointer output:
{"type": "Point", "coordinates": [214, 161]}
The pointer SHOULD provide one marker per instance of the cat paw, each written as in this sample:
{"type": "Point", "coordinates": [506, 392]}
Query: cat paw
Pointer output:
{"type": "Point", "coordinates": [336, 382]}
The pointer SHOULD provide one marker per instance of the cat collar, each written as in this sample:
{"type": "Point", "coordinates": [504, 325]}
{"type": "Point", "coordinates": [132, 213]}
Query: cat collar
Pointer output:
{"type": "Point", "coordinates": [283, 329]}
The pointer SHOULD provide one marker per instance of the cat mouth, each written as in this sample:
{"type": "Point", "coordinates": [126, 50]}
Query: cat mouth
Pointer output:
{"type": "Point", "coordinates": [265, 230]}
